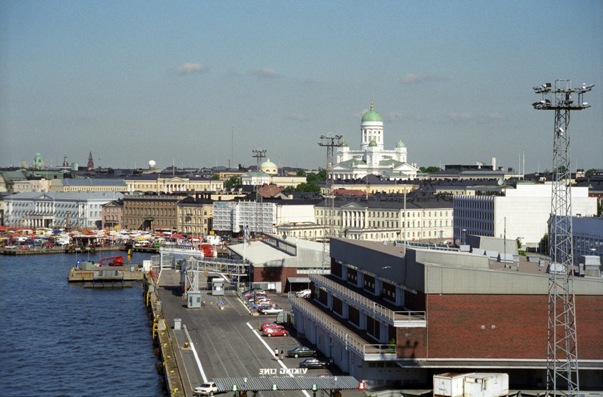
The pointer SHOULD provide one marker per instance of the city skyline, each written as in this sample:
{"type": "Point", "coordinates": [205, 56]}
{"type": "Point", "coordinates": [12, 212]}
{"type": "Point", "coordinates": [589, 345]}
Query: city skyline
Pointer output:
{"type": "Point", "coordinates": [204, 83]}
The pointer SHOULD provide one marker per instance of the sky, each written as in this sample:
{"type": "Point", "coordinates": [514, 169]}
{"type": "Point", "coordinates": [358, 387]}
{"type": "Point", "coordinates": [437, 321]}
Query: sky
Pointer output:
{"type": "Point", "coordinates": [204, 83]}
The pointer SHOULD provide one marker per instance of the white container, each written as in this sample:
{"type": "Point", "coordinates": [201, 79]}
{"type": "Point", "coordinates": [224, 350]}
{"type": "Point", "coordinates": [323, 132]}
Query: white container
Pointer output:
{"type": "Point", "coordinates": [482, 384]}
{"type": "Point", "coordinates": [448, 385]}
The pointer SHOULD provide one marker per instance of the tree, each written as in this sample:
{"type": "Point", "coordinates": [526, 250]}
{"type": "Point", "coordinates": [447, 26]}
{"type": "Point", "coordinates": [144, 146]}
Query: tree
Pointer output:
{"type": "Point", "coordinates": [543, 246]}
{"type": "Point", "coordinates": [590, 172]}
{"type": "Point", "coordinates": [321, 176]}
{"type": "Point", "coordinates": [430, 169]}
{"type": "Point", "coordinates": [233, 181]}
{"type": "Point", "coordinates": [307, 188]}
{"type": "Point", "coordinates": [300, 172]}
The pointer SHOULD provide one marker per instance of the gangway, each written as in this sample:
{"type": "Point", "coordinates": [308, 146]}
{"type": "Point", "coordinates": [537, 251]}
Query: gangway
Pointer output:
{"type": "Point", "coordinates": [191, 261]}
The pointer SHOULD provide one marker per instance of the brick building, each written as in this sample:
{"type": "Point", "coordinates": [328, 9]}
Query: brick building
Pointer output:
{"type": "Point", "coordinates": [395, 315]}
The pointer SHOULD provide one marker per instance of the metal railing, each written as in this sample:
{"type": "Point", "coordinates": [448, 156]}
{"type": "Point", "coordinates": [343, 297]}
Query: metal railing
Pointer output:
{"type": "Point", "coordinates": [350, 340]}
{"type": "Point", "coordinates": [369, 305]}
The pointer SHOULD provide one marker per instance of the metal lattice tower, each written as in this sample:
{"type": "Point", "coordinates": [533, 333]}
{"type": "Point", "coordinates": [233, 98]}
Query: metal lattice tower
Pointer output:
{"type": "Point", "coordinates": [330, 142]}
{"type": "Point", "coordinates": [259, 155]}
{"type": "Point", "coordinates": [562, 342]}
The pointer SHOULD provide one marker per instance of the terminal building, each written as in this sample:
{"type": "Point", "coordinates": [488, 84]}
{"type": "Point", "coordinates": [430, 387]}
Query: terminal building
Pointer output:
{"type": "Point", "coordinates": [391, 315]}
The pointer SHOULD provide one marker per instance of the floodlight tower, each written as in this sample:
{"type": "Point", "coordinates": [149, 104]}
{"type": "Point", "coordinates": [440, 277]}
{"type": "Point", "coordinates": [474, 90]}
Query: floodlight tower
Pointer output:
{"type": "Point", "coordinates": [330, 142]}
{"type": "Point", "coordinates": [259, 155]}
{"type": "Point", "coordinates": [562, 347]}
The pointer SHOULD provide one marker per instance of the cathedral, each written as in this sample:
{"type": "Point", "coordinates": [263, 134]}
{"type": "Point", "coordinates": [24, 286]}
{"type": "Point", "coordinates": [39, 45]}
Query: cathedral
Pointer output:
{"type": "Point", "coordinates": [372, 158]}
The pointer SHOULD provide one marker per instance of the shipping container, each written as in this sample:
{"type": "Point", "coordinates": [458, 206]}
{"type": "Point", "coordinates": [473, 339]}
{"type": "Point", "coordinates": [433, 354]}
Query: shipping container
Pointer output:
{"type": "Point", "coordinates": [486, 385]}
{"type": "Point", "coordinates": [448, 385]}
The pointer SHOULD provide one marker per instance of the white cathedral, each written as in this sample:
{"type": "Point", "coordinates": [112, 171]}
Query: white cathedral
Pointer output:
{"type": "Point", "coordinates": [372, 158]}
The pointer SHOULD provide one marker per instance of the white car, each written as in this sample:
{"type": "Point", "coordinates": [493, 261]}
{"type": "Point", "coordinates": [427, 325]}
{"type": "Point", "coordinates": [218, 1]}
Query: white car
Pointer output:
{"type": "Point", "coordinates": [271, 310]}
{"type": "Point", "coordinates": [206, 389]}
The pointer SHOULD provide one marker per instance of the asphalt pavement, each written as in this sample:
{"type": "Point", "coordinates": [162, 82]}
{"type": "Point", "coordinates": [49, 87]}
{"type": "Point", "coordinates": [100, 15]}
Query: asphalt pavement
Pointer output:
{"type": "Point", "coordinates": [224, 341]}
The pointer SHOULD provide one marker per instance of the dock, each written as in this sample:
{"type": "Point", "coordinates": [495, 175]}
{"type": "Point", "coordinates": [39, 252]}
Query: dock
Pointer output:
{"type": "Point", "coordinates": [106, 276]}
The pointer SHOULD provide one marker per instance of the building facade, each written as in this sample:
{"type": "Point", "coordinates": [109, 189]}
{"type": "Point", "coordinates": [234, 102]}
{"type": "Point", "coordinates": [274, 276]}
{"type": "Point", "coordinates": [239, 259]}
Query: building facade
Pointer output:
{"type": "Point", "coordinates": [519, 213]}
{"type": "Point", "coordinates": [113, 214]}
{"type": "Point", "coordinates": [411, 218]}
{"type": "Point", "coordinates": [195, 215]}
{"type": "Point", "coordinates": [57, 210]}
{"type": "Point", "coordinates": [395, 316]}
{"type": "Point", "coordinates": [152, 212]}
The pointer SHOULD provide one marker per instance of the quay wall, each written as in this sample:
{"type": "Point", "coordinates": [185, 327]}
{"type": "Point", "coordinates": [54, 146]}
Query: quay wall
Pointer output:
{"type": "Point", "coordinates": [164, 340]}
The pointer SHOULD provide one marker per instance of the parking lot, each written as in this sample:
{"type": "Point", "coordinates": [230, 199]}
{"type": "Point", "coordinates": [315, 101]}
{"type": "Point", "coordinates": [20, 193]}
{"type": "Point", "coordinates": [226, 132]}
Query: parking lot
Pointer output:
{"type": "Point", "coordinates": [227, 342]}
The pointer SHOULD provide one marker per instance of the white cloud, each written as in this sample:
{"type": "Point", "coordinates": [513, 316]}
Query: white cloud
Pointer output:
{"type": "Point", "coordinates": [190, 68]}
{"type": "Point", "coordinates": [265, 73]}
{"type": "Point", "coordinates": [411, 78]}
{"type": "Point", "coordinates": [461, 117]}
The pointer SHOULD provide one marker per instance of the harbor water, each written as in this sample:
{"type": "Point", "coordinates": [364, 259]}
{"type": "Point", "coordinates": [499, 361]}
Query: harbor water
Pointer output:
{"type": "Point", "coordinates": [61, 339]}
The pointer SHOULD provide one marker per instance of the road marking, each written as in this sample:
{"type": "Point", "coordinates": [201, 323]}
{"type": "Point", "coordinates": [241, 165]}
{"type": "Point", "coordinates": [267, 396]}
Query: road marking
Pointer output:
{"type": "Point", "coordinates": [257, 334]}
{"type": "Point", "coordinates": [192, 346]}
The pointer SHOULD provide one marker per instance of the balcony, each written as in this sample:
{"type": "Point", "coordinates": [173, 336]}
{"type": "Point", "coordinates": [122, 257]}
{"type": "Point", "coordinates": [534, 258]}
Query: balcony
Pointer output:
{"type": "Point", "coordinates": [369, 306]}
{"type": "Point", "coordinates": [352, 341]}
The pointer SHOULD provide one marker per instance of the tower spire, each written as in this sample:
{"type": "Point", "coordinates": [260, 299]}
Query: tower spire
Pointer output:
{"type": "Point", "coordinates": [90, 162]}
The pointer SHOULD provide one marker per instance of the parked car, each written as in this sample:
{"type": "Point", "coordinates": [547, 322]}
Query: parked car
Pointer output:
{"type": "Point", "coordinates": [270, 332]}
{"type": "Point", "coordinates": [271, 310]}
{"type": "Point", "coordinates": [206, 389]}
{"type": "Point", "coordinates": [313, 363]}
{"type": "Point", "coordinates": [262, 306]}
{"type": "Point", "coordinates": [270, 325]}
{"type": "Point", "coordinates": [301, 351]}
{"type": "Point", "coordinates": [304, 293]}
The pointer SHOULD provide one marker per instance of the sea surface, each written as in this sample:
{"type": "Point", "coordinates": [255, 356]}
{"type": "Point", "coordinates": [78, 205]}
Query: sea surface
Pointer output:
{"type": "Point", "coordinates": [61, 339]}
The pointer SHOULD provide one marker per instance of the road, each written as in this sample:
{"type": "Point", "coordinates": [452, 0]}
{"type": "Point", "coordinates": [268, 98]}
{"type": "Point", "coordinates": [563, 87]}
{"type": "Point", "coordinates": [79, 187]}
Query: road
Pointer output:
{"type": "Point", "coordinates": [227, 341]}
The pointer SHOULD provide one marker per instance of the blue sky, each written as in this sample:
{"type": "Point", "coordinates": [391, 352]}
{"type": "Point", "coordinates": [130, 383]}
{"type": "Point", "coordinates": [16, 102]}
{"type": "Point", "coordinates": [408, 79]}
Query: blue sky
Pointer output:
{"type": "Point", "coordinates": [203, 83]}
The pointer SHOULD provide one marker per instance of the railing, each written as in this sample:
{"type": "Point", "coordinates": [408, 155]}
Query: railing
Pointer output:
{"type": "Point", "coordinates": [371, 306]}
{"type": "Point", "coordinates": [350, 340]}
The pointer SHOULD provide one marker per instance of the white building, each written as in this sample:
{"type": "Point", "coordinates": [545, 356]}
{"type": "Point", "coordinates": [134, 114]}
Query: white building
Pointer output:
{"type": "Point", "coordinates": [372, 158]}
{"type": "Point", "coordinates": [414, 219]}
{"type": "Point", "coordinates": [265, 217]}
{"type": "Point", "coordinates": [521, 212]}
{"type": "Point", "coordinates": [57, 210]}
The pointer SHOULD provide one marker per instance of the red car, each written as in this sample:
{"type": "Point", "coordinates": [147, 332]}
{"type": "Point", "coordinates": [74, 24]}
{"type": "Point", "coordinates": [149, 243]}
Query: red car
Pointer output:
{"type": "Point", "coordinates": [270, 325]}
{"type": "Point", "coordinates": [269, 332]}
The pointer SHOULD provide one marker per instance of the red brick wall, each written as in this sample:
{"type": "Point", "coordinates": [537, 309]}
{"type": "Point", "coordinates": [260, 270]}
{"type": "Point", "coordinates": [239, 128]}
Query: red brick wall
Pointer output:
{"type": "Point", "coordinates": [504, 326]}
{"type": "Point", "coordinates": [411, 342]}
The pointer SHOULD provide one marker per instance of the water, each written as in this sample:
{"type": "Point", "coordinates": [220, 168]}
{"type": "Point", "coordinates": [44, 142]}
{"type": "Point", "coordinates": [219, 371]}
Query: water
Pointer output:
{"type": "Point", "coordinates": [61, 339]}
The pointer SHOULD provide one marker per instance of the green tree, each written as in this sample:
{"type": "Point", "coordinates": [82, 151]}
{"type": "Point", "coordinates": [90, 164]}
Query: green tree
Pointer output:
{"type": "Point", "coordinates": [321, 176]}
{"type": "Point", "coordinates": [430, 169]}
{"type": "Point", "coordinates": [543, 246]}
{"type": "Point", "coordinates": [308, 188]}
{"type": "Point", "coordinates": [300, 172]}
{"type": "Point", "coordinates": [233, 181]}
{"type": "Point", "coordinates": [590, 172]}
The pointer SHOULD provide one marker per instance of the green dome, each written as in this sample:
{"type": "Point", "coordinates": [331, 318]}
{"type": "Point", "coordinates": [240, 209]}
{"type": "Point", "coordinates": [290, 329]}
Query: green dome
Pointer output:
{"type": "Point", "coordinates": [372, 115]}
{"type": "Point", "coordinates": [372, 143]}
{"type": "Point", "coordinates": [400, 144]}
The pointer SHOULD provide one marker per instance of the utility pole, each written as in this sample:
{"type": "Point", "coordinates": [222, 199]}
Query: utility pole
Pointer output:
{"type": "Point", "coordinates": [330, 142]}
{"type": "Point", "coordinates": [562, 343]}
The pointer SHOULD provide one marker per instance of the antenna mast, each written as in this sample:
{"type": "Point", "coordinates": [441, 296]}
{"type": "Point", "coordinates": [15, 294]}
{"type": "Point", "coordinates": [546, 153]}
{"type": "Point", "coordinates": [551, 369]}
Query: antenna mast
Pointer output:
{"type": "Point", "coordinates": [562, 347]}
{"type": "Point", "coordinates": [330, 142]}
